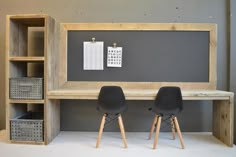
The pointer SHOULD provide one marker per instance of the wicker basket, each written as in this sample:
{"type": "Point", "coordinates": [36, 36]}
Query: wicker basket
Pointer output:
{"type": "Point", "coordinates": [26, 88]}
{"type": "Point", "coordinates": [28, 127]}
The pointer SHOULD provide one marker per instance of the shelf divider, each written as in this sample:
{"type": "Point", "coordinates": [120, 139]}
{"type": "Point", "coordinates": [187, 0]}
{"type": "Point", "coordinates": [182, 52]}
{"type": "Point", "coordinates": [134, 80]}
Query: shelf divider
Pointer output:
{"type": "Point", "coordinates": [26, 101]}
{"type": "Point", "coordinates": [27, 59]}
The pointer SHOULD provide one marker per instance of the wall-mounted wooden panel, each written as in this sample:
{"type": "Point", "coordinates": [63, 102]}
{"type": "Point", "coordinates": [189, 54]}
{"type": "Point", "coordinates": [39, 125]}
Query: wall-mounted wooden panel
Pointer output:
{"type": "Point", "coordinates": [155, 54]}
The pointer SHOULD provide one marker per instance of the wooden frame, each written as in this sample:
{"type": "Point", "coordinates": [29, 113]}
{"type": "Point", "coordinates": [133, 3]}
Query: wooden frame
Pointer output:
{"type": "Point", "coordinates": [65, 27]}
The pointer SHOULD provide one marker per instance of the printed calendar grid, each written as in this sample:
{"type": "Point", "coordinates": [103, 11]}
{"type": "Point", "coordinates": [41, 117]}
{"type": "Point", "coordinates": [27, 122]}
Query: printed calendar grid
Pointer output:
{"type": "Point", "coordinates": [114, 56]}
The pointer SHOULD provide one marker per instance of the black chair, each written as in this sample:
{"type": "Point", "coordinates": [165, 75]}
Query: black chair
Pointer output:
{"type": "Point", "coordinates": [111, 102]}
{"type": "Point", "coordinates": [167, 104]}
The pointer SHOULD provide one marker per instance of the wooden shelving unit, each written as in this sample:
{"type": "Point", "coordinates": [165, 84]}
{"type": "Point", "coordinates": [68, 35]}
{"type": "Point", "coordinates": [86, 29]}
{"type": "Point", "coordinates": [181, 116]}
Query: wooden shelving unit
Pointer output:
{"type": "Point", "coordinates": [22, 62]}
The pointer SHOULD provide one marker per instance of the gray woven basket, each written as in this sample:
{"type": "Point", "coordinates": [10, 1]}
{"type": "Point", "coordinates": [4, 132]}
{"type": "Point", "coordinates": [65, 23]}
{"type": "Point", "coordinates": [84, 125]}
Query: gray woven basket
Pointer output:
{"type": "Point", "coordinates": [26, 88]}
{"type": "Point", "coordinates": [28, 127]}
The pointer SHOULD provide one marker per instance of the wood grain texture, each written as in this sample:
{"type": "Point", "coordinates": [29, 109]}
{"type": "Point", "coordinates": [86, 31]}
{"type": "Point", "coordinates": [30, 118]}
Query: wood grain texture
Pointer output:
{"type": "Point", "coordinates": [52, 120]}
{"type": "Point", "coordinates": [27, 59]}
{"type": "Point", "coordinates": [35, 20]}
{"type": "Point", "coordinates": [153, 127]}
{"type": "Point", "coordinates": [62, 77]}
{"type": "Point", "coordinates": [19, 101]}
{"type": "Point", "coordinates": [49, 46]}
{"type": "Point", "coordinates": [52, 55]}
{"type": "Point", "coordinates": [17, 35]}
{"type": "Point", "coordinates": [27, 142]}
{"type": "Point", "coordinates": [179, 132]}
{"type": "Point", "coordinates": [213, 57]}
{"type": "Point", "coordinates": [172, 127]}
{"type": "Point", "coordinates": [52, 107]}
{"type": "Point", "coordinates": [137, 94]}
{"type": "Point", "coordinates": [136, 85]}
{"type": "Point", "coordinates": [223, 120]}
{"type": "Point", "coordinates": [101, 130]}
{"type": "Point", "coordinates": [157, 131]}
{"type": "Point", "coordinates": [17, 59]}
{"type": "Point", "coordinates": [7, 78]}
{"type": "Point", "coordinates": [139, 26]}
{"type": "Point", "coordinates": [122, 130]}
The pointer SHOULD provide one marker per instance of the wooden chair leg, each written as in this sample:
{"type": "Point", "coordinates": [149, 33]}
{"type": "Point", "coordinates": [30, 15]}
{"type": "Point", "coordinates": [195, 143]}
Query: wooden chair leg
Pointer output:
{"type": "Point", "coordinates": [101, 130]}
{"type": "Point", "coordinates": [179, 132]}
{"type": "Point", "coordinates": [122, 130]}
{"type": "Point", "coordinates": [153, 127]}
{"type": "Point", "coordinates": [172, 127]}
{"type": "Point", "coordinates": [157, 131]}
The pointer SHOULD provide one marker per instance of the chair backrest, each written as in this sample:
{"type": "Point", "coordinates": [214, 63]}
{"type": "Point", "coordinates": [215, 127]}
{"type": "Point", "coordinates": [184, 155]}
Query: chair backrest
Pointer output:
{"type": "Point", "coordinates": [111, 99]}
{"type": "Point", "coordinates": [169, 98]}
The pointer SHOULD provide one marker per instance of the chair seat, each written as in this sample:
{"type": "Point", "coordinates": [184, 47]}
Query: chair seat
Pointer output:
{"type": "Point", "coordinates": [112, 110]}
{"type": "Point", "coordinates": [164, 112]}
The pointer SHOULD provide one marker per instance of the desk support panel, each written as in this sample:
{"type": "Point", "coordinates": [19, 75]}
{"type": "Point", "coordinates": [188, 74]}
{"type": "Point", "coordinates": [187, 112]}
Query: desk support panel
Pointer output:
{"type": "Point", "coordinates": [223, 120]}
{"type": "Point", "coordinates": [52, 124]}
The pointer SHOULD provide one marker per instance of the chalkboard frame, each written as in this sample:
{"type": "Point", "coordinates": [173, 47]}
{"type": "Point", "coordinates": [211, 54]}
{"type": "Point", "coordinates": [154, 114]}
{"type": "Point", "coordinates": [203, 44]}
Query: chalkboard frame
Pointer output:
{"type": "Point", "coordinates": [65, 27]}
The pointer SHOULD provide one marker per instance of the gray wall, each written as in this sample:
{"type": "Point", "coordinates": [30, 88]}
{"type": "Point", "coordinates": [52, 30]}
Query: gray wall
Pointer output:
{"type": "Point", "coordinates": [193, 11]}
{"type": "Point", "coordinates": [233, 56]}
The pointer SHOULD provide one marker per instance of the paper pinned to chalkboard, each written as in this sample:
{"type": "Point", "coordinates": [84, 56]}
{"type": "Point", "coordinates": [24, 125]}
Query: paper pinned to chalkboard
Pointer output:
{"type": "Point", "coordinates": [114, 56]}
{"type": "Point", "coordinates": [93, 55]}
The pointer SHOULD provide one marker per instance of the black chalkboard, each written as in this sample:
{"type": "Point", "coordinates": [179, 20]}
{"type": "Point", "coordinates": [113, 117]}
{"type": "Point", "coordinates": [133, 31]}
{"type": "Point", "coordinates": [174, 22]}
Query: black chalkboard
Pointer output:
{"type": "Point", "coordinates": [148, 56]}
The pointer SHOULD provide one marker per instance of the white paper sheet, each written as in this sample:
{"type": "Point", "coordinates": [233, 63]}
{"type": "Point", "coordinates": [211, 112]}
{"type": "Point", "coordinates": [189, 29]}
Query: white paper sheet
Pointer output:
{"type": "Point", "coordinates": [93, 55]}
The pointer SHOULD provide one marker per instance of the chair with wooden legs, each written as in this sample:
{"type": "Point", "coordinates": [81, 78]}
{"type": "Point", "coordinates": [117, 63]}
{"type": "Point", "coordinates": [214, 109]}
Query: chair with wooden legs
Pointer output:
{"type": "Point", "coordinates": [111, 102]}
{"type": "Point", "coordinates": [168, 103]}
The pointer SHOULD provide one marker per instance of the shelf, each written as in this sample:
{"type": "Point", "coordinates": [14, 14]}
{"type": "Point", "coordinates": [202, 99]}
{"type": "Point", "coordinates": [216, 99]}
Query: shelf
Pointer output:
{"type": "Point", "coordinates": [27, 59]}
{"type": "Point", "coordinates": [27, 142]}
{"type": "Point", "coordinates": [29, 20]}
{"type": "Point", "coordinates": [29, 101]}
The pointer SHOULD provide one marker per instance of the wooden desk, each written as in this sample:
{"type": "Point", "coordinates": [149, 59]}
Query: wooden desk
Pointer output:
{"type": "Point", "coordinates": [223, 106]}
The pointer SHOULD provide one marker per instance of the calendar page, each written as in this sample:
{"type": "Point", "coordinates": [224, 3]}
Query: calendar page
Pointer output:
{"type": "Point", "coordinates": [114, 56]}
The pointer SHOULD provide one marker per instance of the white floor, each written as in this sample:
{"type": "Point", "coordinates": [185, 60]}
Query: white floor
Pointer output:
{"type": "Point", "coordinates": [82, 144]}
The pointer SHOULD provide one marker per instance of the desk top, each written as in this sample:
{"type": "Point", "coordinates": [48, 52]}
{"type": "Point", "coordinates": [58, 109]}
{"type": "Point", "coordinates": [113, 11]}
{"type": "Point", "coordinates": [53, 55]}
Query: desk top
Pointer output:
{"type": "Point", "coordinates": [138, 94]}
